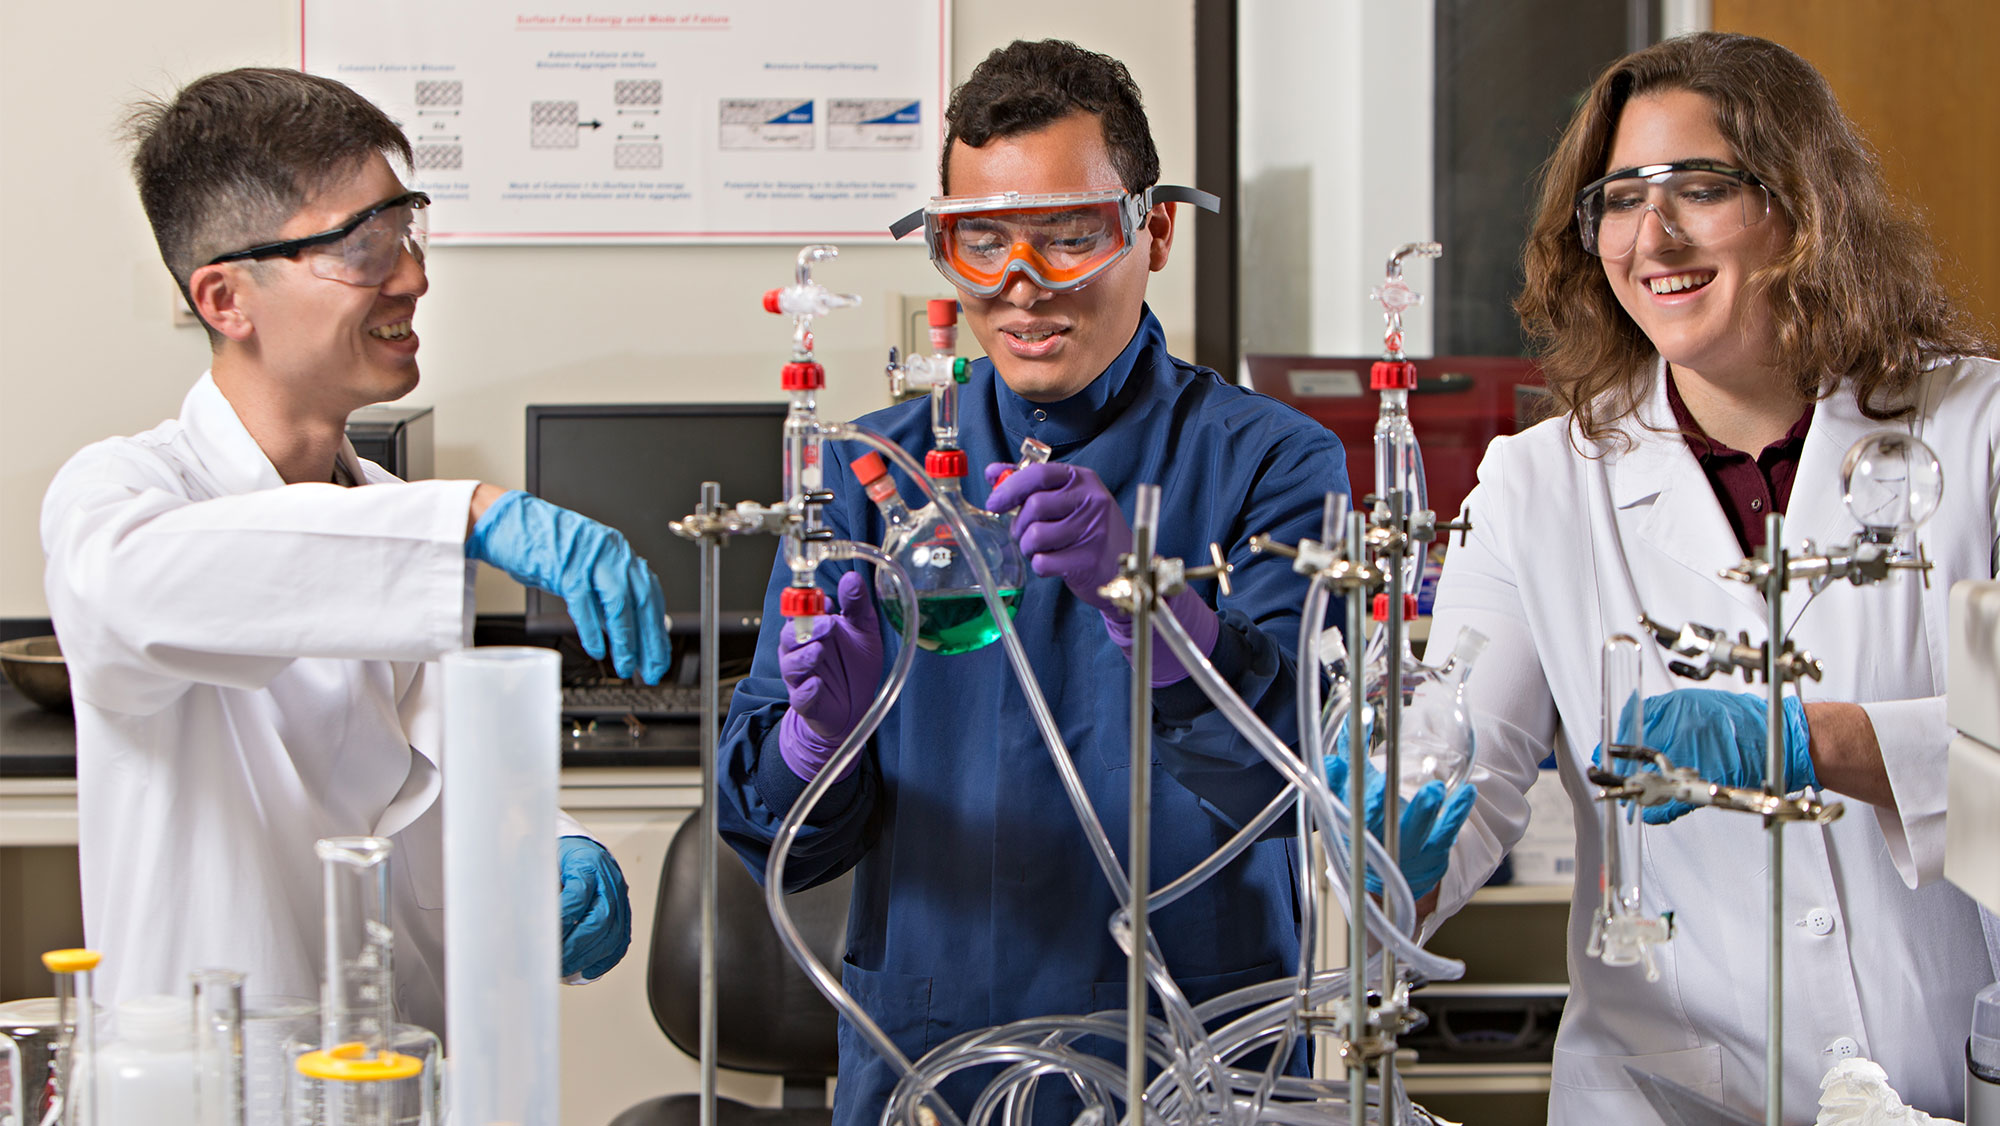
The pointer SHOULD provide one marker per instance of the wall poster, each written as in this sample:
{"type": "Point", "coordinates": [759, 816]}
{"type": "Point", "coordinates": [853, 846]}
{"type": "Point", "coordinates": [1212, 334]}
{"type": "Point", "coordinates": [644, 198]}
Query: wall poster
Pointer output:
{"type": "Point", "coordinates": [585, 121]}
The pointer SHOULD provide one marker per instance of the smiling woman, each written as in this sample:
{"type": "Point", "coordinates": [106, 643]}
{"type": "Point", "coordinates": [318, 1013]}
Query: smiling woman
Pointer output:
{"type": "Point", "coordinates": [1726, 300]}
{"type": "Point", "coordinates": [1846, 288]}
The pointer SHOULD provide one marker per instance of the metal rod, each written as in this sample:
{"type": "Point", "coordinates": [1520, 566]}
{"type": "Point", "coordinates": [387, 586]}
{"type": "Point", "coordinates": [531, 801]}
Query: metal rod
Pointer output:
{"type": "Point", "coordinates": [711, 697]}
{"type": "Point", "coordinates": [1774, 827]}
{"type": "Point", "coordinates": [1392, 723]}
{"type": "Point", "coordinates": [1139, 848]}
{"type": "Point", "coordinates": [1357, 826]}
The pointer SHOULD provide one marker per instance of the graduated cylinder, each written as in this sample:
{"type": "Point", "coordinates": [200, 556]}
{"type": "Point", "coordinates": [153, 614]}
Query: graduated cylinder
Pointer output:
{"type": "Point", "coordinates": [501, 929]}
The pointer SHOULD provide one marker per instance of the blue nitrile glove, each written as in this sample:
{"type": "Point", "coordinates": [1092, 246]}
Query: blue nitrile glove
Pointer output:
{"type": "Point", "coordinates": [596, 910]}
{"type": "Point", "coordinates": [830, 679]}
{"type": "Point", "coordinates": [1069, 527]}
{"type": "Point", "coordinates": [1721, 735]}
{"type": "Point", "coordinates": [610, 591]}
{"type": "Point", "coordinates": [1427, 827]}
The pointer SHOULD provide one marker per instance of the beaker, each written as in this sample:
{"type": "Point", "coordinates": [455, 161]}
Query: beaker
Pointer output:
{"type": "Point", "coordinates": [952, 614]}
{"type": "Point", "coordinates": [276, 1031]}
{"type": "Point", "coordinates": [414, 1100]}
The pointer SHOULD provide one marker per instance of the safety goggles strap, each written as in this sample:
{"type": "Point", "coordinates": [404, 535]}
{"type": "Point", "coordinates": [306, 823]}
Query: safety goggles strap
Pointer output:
{"type": "Point", "coordinates": [1174, 193]}
{"type": "Point", "coordinates": [1159, 193]}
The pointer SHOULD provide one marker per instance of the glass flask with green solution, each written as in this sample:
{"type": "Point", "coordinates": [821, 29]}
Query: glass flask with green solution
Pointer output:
{"type": "Point", "coordinates": [952, 612]}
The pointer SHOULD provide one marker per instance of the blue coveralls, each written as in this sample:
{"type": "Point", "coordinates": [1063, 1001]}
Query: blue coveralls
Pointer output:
{"type": "Point", "coordinates": [976, 899]}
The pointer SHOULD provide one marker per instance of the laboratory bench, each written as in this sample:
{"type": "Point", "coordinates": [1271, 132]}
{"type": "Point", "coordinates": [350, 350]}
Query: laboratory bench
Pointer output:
{"type": "Point", "coordinates": [632, 795]}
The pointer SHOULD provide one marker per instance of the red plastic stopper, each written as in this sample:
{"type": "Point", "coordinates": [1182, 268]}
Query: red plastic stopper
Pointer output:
{"type": "Point", "coordinates": [802, 602]}
{"type": "Point", "coordinates": [1392, 375]}
{"type": "Point", "coordinates": [771, 301]}
{"type": "Point", "coordinates": [945, 463]}
{"type": "Point", "coordinates": [868, 467]}
{"type": "Point", "coordinates": [942, 311]}
{"type": "Point", "coordinates": [1380, 610]}
{"type": "Point", "coordinates": [803, 377]}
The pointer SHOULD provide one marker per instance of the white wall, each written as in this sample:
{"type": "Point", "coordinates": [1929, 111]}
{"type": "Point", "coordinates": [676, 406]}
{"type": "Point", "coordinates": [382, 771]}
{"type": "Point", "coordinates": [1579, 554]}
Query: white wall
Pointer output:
{"type": "Point", "coordinates": [1336, 99]}
{"type": "Point", "coordinates": [87, 348]}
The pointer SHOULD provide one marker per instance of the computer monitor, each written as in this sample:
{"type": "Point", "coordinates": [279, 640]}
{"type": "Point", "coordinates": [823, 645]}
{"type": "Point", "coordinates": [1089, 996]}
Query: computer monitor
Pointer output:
{"type": "Point", "coordinates": [638, 466]}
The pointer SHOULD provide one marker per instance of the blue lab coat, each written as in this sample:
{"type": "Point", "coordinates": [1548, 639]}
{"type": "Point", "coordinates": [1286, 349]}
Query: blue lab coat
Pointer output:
{"type": "Point", "coordinates": [977, 900]}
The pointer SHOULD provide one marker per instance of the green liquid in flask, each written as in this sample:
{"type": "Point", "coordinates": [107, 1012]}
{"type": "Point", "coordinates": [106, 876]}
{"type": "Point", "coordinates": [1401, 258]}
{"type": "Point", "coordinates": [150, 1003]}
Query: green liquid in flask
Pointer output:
{"type": "Point", "coordinates": [958, 622]}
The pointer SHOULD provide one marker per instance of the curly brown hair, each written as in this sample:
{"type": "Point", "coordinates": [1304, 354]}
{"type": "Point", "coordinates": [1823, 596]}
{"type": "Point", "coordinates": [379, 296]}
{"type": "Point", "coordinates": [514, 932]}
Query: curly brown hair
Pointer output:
{"type": "Point", "coordinates": [1855, 298]}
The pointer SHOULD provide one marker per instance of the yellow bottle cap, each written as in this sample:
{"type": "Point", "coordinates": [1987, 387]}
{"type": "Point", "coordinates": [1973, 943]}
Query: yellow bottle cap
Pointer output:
{"type": "Point", "coordinates": [345, 1063]}
{"type": "Point", "coordinates": [71, 961]}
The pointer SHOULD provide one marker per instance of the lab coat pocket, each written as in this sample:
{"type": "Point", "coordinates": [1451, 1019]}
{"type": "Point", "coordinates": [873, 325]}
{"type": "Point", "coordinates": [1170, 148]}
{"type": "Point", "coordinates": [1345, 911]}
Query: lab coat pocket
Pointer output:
{"type": "Point", "coordinates": [899, 1003]}
{"type": "Point", "coordinates": [1593, 1089]}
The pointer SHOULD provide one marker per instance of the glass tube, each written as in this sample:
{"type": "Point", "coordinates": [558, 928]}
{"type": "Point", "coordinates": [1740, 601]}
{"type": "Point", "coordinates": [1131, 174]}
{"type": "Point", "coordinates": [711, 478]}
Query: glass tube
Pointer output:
{"type": "Point", "coordinates": [1620, 932]}
{"type": "Point", "coordinates": [76, 1010]}
{"type": "Point", "coordinates": [218, 1047]}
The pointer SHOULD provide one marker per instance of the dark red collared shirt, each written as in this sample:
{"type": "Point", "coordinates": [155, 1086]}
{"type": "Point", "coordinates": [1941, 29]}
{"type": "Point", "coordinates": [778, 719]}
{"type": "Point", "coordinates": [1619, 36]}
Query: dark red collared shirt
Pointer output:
{"type": "Point", "coordinates": [1748, 488]}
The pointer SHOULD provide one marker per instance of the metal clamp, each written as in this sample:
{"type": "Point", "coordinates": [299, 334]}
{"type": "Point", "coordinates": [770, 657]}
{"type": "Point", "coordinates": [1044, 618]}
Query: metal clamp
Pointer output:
{"type": "Point", "coordinates": [1670, 783]}
{"type": "Point", "coordinates": [1715, 653]}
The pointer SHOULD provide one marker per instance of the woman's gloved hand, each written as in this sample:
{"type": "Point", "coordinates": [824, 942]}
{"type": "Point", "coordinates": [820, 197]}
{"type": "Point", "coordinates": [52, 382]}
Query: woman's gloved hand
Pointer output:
{"type": "Point", "coordinates": [830, 679]}
{"type": "Point", "coordinates": [1069, 527]}
{"type": "Point", "coordinates": [610, 592]}
{"type": "Point", "coordinates": [595, 907]}
{"type": "Point", "coordinates": [1721, 735]}
{"type": "Point", "coordinates": [1426, 828]}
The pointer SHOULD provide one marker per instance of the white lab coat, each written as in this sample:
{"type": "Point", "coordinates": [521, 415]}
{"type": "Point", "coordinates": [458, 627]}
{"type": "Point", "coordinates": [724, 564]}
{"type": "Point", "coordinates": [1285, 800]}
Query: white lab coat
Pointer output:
{"type": "Point", "coordinates": [1882, 957]}
{"type": "Point", "coordinates": [247, 663]}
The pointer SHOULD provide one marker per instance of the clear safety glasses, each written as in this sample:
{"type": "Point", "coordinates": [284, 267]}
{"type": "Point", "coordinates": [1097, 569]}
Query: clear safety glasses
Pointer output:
{"type": "Point", "coordinates": [1058, 242]}
{"type": "Point", "coordinates": [1699, 203]}
{"type": "Point", "coordinates": [362, 251]}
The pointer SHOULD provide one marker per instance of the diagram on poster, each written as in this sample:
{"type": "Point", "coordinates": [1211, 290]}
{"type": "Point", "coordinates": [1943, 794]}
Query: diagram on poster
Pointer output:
{"type": "Point", "coordinates": [727, 121]}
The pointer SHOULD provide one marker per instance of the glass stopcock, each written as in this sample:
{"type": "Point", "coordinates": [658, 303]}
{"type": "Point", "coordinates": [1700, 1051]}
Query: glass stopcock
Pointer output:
{"type": "Point", "coordinates": [952, 611]}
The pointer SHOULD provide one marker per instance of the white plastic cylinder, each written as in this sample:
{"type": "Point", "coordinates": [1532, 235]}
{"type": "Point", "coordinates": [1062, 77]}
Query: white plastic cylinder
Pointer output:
{"type": "Point", "coordinates": [502, 958]}
{"type": "Point", "coordinates": [146, 1077]}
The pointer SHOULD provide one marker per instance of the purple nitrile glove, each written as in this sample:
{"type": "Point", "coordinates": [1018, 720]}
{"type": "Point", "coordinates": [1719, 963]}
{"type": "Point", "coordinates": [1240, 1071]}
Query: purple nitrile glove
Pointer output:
{"type": "Point", "coordinates": [1070, 527]}
{"type": "Point", "coordinates": [1194, 615]}
{"type": "Point", "coordinates": [830, 678]}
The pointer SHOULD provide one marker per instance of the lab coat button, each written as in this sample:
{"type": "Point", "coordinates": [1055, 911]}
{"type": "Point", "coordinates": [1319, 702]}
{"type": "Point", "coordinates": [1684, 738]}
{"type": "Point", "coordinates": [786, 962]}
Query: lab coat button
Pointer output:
{"type": "Point", "coordinates": [1843, 1049]}
{"type": "Point", "coordinates": [1041, 416]}
{"type": "Point", "coordinates": [1819, 921]}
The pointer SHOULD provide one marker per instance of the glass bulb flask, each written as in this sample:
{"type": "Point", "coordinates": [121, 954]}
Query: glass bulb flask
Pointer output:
{"type": "Point", "coordinates": [952, 613]}
{"type": "Point", "coordinates": [1436, 741]}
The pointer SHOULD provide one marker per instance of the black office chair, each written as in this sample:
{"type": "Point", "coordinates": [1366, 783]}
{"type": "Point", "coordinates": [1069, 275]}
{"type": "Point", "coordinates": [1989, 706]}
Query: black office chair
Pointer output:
{"type": "Point", "coordinates": [770, 1018]}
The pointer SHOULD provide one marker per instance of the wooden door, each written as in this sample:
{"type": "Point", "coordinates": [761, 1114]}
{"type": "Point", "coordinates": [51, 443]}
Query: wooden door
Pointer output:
{"type": "Point", "coordinates": [1916, 76]}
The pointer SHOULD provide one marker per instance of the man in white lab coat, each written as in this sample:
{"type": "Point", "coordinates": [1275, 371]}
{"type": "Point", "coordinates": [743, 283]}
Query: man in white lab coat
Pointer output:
{"type": "Point", "coordinates": [247, 631]}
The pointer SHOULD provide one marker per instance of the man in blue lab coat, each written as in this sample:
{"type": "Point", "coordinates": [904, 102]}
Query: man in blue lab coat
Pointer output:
{"type": "Point", "coordinates": [977, 899]}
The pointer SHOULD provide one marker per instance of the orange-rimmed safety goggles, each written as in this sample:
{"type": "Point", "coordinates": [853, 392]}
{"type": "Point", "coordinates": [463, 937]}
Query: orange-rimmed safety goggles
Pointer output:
{"type": "Point", "coordinates": [1059, 241]}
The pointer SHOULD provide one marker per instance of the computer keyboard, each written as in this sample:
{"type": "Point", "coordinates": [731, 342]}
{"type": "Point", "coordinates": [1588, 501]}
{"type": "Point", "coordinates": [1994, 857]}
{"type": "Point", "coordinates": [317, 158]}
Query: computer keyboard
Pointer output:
{"type": "Point", "coordinates": [648, 702]}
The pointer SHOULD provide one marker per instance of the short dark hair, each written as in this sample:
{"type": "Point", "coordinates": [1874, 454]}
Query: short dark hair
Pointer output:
{"type": "Point", "coordinates": [235, 155]}
{"type": "Point", "coordinates": [1855, 298]}
{"type": "Point", "coordinates": [1025, 86]}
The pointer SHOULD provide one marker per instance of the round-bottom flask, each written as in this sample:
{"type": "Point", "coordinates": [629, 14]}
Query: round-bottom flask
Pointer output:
{"type": "Point", "coordinates": [952, 612]}
{"type": "Point", "coordinates": [1436, 736]}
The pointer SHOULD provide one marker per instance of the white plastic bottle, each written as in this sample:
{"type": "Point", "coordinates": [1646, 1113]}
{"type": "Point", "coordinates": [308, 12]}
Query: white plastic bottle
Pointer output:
{"type": "Point", "coordinates": [146, 1075]}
